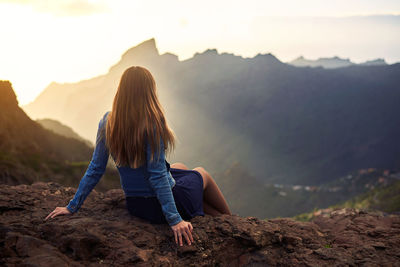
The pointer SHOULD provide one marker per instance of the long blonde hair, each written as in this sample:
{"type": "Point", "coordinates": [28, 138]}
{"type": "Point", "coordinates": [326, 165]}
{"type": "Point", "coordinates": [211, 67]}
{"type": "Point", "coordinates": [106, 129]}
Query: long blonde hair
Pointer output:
{"type": "Point", "coordinates": [136, 115]}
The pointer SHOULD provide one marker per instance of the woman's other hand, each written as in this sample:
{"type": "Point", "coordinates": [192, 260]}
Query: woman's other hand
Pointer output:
{"type": "Point", "coordinates": [185, 229]}
{"type": "Point", "coordinates": [58, 211]}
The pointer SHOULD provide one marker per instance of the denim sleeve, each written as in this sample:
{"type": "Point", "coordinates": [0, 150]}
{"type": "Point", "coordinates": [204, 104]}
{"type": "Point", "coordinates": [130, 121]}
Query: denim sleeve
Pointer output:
{"type": "Point", "coordinates": [94, 171]}
{"type": "Point", "coordinates": [158, 178]}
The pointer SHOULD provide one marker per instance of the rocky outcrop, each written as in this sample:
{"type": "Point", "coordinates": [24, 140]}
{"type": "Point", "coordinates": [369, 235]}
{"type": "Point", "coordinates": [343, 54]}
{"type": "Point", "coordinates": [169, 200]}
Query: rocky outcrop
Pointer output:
{"type": "Point", "coordinates": [103, 233]}
{"type": "Point", "coordinates": [7, 97]}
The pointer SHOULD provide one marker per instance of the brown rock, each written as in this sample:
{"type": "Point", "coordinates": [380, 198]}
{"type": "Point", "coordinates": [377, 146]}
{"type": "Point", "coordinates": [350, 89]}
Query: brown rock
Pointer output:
{"type": "Point", "coordinates": [103, 233]}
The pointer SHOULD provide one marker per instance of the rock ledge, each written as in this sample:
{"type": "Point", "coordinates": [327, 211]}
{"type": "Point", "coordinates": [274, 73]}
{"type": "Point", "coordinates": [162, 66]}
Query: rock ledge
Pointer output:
{"type": "Point", "coordinates": [103, 233]}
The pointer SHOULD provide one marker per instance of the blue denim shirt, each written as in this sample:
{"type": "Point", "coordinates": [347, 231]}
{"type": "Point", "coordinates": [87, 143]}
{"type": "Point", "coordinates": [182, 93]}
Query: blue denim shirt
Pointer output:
{"type": "Point", "coordinates": [151, 179]}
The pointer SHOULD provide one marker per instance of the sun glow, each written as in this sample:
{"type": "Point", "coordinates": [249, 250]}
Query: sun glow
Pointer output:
{"type": "Point", "coordinates": [71, 40]}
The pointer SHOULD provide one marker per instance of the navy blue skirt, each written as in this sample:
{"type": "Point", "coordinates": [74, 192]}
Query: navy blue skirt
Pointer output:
{"type": "Point", "coordinates": [187, 192]}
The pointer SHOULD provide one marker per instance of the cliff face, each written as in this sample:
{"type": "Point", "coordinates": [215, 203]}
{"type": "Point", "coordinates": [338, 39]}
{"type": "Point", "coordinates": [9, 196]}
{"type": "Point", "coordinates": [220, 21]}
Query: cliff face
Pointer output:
{"type": "Point", "coordinates": [28, 152]}
{"type": "Point", "coordinates": [103, 233]}
{"type": "Point", "coordinates": [8, 98]}
{"type": "Point", "coordinates": [20, 134]}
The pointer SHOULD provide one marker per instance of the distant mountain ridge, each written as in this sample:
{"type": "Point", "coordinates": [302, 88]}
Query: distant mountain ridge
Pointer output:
{"type": "Point", "coordinates": [333, 62]}
{"type": "Point", "coordinates": [283, 123]}
{"type": "Point", "coordinates": [62, 129]}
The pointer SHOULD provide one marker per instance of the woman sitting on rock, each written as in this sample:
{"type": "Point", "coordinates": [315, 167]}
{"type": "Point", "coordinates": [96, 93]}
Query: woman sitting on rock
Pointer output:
{"type": "Point", "coordinates": [136, 135]}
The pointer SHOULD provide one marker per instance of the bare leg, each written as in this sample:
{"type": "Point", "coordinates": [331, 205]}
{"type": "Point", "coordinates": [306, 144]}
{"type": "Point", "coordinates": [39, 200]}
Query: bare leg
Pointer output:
{"type": "Point", "coordinates": [179, 165]}
{"type": "Point", "coordinates": [212, 194]}
{"type": "Point", "coordinates": [210, 210]}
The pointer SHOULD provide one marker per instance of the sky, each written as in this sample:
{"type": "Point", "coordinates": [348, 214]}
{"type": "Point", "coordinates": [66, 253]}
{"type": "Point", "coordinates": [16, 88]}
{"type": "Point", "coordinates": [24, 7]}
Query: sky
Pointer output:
{"type": "Point", "coordinates": [70, 40]}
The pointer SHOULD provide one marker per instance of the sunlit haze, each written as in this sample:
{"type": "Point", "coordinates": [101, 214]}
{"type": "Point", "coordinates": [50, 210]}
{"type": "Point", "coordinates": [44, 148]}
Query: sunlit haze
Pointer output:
{"type": "Point", "coordinates": [67, 41]}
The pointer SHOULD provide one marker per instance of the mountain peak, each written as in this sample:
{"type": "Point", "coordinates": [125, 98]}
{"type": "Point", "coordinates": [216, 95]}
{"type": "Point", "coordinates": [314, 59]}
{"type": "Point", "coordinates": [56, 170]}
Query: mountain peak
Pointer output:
{"type": "Point", "coordinates": [7, 95]}
{"type": "Point", "coordinates": [207, 52]}
{"type": "Point", "coordinates": [375, 62]}
{"type": "Point", "coordinates": [147, 47]}
{"type": "Point", "coordinates": [268, 57]}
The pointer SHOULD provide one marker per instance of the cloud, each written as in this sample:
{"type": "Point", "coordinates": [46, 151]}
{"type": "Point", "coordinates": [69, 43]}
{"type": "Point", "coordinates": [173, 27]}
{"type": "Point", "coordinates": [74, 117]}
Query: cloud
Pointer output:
{"type": "Point", "coordinates": [63, 7]}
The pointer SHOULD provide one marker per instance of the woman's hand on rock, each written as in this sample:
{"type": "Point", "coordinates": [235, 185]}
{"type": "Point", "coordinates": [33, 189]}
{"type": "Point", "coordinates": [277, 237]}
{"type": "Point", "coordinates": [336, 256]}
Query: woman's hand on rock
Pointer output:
{"type": "Point", "coordinates": [58, 211]}
{"type": "Point", "coordinates": [185, 229]}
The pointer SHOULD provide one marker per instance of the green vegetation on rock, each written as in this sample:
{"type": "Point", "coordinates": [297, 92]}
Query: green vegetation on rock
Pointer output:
{"type": "Point", "coordinates": [386, 199]}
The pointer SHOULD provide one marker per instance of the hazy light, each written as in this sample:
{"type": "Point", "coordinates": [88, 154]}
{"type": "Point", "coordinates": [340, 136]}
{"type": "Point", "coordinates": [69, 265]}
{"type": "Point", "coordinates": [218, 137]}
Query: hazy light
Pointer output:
{"type": "Point", "coordinates": [70, 40]}
{"type": "Point", "coordinates": [62, 7]}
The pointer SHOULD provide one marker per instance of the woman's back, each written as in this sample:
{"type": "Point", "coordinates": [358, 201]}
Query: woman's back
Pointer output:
{"type": "Point", "coordinates": [152, 179]}
{"type": "Point", "coordinates": [134, 181]}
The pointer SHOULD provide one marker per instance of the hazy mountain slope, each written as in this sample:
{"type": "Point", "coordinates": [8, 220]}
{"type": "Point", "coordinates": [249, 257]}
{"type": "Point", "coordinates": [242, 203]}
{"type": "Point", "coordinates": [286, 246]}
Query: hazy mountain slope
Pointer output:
{"type": "Point", "coordinates": [304, 125]}
{"type": "Point", "coordinates": [29, 152]}
{"type": "Point", "coordinates": [20, 134]}
{"type": "Point", "coordinates": [284, 124]}
{"type": "Point", "coordinates": [320, 124]}
{"type": "Point", "coordinates": [62, 129]}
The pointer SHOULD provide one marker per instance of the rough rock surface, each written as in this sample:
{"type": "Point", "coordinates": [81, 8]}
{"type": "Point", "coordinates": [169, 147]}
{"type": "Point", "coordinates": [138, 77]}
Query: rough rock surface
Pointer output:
{"type": "Point", "coordinates": [103, 233]}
